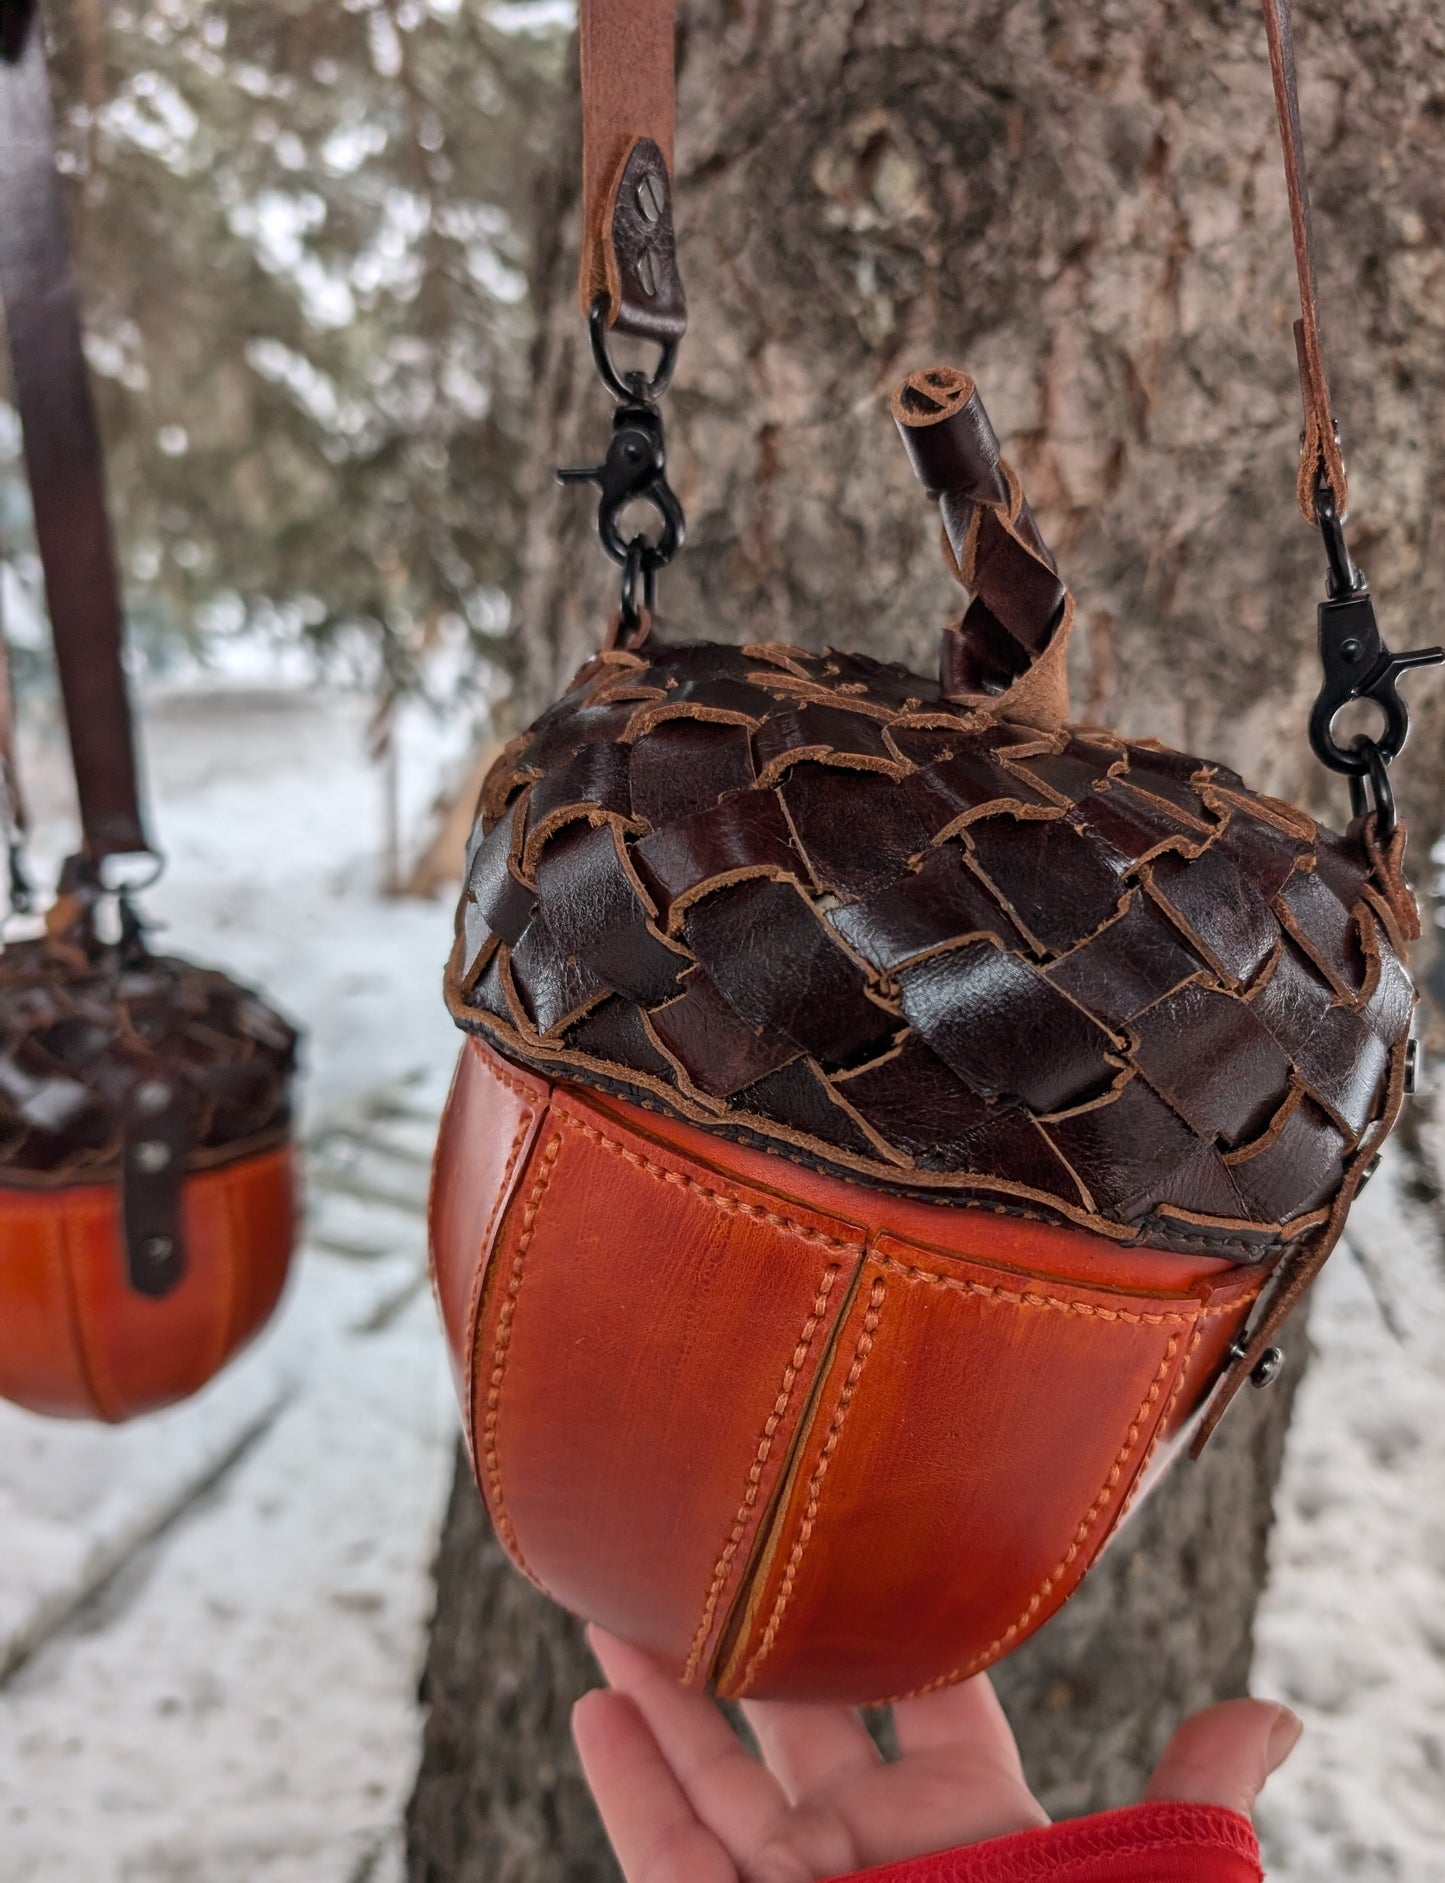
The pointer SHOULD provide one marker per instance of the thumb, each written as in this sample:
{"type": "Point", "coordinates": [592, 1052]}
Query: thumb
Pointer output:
{"type": "Point", "coordinates": [1223, 1755]}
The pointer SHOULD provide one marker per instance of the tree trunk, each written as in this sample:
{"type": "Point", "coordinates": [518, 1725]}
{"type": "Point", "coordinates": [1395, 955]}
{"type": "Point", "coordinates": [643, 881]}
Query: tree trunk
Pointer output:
{"type": "Point", "coordinates": [1084, 207]}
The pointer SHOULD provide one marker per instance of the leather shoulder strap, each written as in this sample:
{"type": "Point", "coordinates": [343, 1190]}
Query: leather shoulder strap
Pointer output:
{"type": "Point", "coordinates": [51, 388]}
{"type": "Point", "coordinates": [1320, 457]}
{"type": "Point", "coordinates": [14, 813]}
{"type": "Point", "coordinates": [628, 264]}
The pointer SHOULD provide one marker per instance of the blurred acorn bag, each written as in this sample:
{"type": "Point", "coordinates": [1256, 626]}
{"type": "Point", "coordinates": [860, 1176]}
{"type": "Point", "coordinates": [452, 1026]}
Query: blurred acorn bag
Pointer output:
{"type": "Point", "coordinates": [147, 1176]}
{"type": "Point", "coordinates": [896, 1119]}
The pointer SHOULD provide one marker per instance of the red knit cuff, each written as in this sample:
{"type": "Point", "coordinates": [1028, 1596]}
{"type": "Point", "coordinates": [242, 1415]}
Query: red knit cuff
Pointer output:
{"type": "Point", "coordinates": [1163, 1843]}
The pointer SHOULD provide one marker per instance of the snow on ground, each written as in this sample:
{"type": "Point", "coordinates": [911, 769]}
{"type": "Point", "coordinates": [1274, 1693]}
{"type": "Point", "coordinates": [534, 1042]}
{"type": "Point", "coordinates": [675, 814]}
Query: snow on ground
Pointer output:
{"type": "Point", "coordinates": [236, 1701]}
{"type": "Point", "coordinates": [212, 1621]}
{"type": "Point", "coordinates": [1352, 1629]}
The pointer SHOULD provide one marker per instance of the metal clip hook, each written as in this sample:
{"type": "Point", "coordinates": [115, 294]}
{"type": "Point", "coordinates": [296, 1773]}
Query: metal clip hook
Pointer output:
{"type": "Point", "coordinates": [1358, 665]}
{"type": "Point", "coordinates": [634, 471]}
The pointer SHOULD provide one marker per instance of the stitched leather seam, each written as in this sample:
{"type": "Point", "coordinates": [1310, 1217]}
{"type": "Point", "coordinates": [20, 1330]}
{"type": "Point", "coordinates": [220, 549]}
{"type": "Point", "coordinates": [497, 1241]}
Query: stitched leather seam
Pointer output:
{"type": "Point", "coordinates": [499, 1073]}
{"type": "Point", "coordinates": [1041, 1595]}
{"type": "Point", "coordinates": [491, 1463]}
{"type": "Point", "coordinates": [1162, 1425]}
{"type": "Point", "coordinates": [1059, 1303]}
{"type": "Point", "coordinates": [755, 1470]}
{"type": "Point", "coordinates": [479, 1275]}
{"type": "Point", "coordinates": [815, 1485]}
{"type": "Point", "coordinates": [720, 1199]}
{"type": "Point", "coordinates": [60, 1229]}
{"type": "Point", "coordinates": [433, 1188]}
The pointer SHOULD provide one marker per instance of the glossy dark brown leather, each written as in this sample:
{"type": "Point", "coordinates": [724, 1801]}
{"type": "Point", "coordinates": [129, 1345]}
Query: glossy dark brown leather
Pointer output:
{"type": "Point", "coordinates": [1014, 634]}
{"type": "Point", "coordinates": [91, 1044]}
{"type": "Point", "coordinates": [1062, 974]}
{"type": "Point", "coordinates": [798, 1436]}
{"type": "Point", "coordinates": [51, 389]}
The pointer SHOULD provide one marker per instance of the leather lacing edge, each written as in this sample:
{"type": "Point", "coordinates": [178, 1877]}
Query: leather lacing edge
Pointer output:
{"type": "Point", "coordinates": [103, 1175]}
{"type": "Point", "coordinates": [1153, 1230]}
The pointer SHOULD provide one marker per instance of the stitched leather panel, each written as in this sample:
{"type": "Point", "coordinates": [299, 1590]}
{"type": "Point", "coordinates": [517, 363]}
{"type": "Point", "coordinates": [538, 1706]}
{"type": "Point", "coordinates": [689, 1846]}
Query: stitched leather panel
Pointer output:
{"type": "Point", "coordinates": [952, 1440]}
{"type": "Point", "coordinates": [892, 935]}
{"type": "Point", "coordinates": [77, 1341]}
{"type": "Point", "coordinates": [81, 1030]}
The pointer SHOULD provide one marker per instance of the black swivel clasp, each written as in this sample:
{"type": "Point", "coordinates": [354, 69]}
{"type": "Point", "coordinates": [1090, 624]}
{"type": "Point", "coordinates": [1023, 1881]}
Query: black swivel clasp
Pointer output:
{"type": "Point", "coordinates": [1358, 666]}
{"type": "Point", "coordinates": [633, 471]}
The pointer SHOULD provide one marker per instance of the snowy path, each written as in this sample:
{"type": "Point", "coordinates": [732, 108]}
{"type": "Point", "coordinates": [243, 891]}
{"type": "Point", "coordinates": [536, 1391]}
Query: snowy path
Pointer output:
{"type": "Point", "coordinates": [213, 1621]}
{"type": "Point", "coordinates": [221, 1609]}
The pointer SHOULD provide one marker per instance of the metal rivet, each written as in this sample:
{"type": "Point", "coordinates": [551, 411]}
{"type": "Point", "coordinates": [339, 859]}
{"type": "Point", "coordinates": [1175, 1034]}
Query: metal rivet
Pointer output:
{"type": "Point", "coordinates": [156, 1249]}
{"type": "Point", "coordinates": [1414, 1064]}
{"type": "Point", "coordinates": [1268, 1367]}
{"type": "Point", "coordinates": [1369, 1170]}
{"type": "Point", "coordinates": [647, 273]}
{"type": "Point", "coordinates": [151, 1155]}
{"type": "Point", "coordinates": [649, 197]}
{"type": "Point", "coordinates": [153, 1096]}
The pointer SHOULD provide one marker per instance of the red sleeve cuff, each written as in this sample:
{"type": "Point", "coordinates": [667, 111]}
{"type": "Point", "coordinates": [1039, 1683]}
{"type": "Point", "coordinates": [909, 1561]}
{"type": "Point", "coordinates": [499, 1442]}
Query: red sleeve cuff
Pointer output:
{"type": "Point", "coordinates": [1161, 1843]}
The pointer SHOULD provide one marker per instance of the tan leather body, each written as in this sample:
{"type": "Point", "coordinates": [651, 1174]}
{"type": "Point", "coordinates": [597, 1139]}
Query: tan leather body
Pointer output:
{"type": "Point", "coordinates": [76, 1341]}
{"type": "Point", "coordinates": [798, 1437]}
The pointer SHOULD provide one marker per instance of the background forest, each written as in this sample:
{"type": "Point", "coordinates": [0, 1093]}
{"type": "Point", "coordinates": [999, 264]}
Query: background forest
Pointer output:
{"type": "Point", "coordinates": [303, 268]}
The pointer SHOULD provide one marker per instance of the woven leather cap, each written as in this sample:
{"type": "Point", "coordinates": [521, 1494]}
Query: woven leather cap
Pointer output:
{"type": "Point", "coordinates": [810, 903]}
{"type": "Point", "coordinates": [81, 1031]}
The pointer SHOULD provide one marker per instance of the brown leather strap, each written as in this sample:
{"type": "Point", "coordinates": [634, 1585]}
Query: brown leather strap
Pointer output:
{"type": "Point", "coordinates": [51, 388]}
{"type": "Point", "coordinates": [1320, 457]}
{"type": "Point", "coordinates": [628, 51]}
{"type": "Point", "coordinates": [14, 814]}
{"type": "Point", "coordinates": [628, 258]}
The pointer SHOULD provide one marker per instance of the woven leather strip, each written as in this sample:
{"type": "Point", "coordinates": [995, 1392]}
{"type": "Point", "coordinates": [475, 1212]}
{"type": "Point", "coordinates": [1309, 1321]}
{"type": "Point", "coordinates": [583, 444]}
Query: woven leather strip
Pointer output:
{"type": "Point", "coordinates": [807, 901]}
{"type": "Point", "coordinates": [628, 109]}
{"type": "Point", "coordinates": [51, 389]}
{"type": "Point", "coordinates": [101, 1052]}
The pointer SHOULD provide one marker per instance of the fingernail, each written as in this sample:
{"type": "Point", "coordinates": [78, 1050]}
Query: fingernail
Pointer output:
{"type": "Point", "coordinates": [1283, 1738]}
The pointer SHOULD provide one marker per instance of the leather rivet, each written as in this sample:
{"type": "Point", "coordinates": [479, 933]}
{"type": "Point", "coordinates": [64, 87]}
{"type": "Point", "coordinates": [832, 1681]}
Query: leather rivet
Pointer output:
{"type": "Point", "coordinates": [649, 198]}
{"type": "Point", "coordinates": [156, 1249]}
{"type": "Point", "coordinates": [1268, 1368]}
{"type": "Point", "coordinates": [153, 1096]}
{"type": "Point", "coordinates": [151, 1156]}
{"type": "Point", "coordinates": [647, 273]}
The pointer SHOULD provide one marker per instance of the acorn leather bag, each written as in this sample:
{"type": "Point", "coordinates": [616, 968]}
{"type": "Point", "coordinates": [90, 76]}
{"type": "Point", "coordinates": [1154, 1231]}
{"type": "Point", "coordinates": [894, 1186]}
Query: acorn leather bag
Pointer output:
{"type": "Point", "coordinates": [147, 1179]}
{"type": "Point", "coordinates": [895, 1119]}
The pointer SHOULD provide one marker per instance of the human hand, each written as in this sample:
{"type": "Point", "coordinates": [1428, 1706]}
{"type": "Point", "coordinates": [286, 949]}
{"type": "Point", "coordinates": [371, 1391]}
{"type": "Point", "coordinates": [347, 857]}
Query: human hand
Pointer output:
{"type": "Point", "coordinates": [685, 1802]}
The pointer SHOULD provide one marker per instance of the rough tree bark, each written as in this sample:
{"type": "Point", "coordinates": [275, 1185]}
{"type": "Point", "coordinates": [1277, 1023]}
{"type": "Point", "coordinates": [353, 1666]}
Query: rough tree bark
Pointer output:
{"type": "Point", "coordinates": [1084, 207]}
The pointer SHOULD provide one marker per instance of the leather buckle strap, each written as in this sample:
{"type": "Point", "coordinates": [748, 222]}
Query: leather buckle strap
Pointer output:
{"type": "Point", "coordinates": [51, 390]}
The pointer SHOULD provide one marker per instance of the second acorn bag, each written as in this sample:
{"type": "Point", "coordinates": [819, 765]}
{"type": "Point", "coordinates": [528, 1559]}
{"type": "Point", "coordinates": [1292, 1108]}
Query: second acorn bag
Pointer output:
{"type": "Point", "coordinates": [895, 1119]}
{"type": "Point", "coordinates": [147, 1173]}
